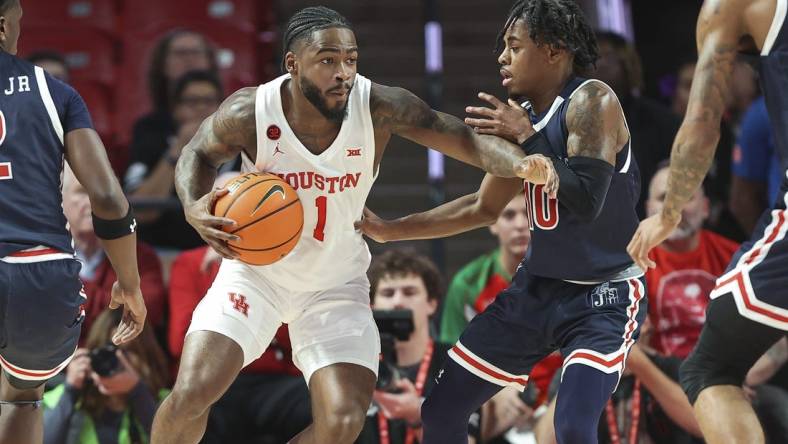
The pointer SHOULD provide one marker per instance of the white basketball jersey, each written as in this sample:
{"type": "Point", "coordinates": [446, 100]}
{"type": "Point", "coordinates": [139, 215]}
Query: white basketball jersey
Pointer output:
{"type": "Point", "coordinates": [332, 186]}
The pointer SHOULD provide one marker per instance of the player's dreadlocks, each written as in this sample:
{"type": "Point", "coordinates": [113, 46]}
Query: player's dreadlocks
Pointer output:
{"type": "Point", "coordinates": [560, 23]}
{"type": "Point", "coordinates": [304, 22]}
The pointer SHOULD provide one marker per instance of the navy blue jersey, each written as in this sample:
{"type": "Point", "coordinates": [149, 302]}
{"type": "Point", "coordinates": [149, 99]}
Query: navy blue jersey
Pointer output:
{"type": "Point", "coordinates": [562, 245]}
{"type": "Point", "coordinates": [36, 111]}
{"type": "Point", "coordinates": [774, 79]}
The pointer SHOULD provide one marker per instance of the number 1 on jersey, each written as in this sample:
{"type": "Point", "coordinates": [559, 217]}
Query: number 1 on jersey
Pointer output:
{"type": "Point", "coordinates": [320, 203]}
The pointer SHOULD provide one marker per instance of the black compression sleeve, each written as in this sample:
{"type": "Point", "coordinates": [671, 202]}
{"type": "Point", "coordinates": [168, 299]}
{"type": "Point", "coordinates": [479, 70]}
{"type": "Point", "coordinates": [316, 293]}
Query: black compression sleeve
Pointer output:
{"type": "Point", "coordinates": [583, 185]}
{"type": "Point", "coordinates": [583, 181]}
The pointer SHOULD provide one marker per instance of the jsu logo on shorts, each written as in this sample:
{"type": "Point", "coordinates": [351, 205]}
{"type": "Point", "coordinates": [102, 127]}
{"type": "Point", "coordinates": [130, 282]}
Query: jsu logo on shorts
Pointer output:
{"type": "Point", "coordinates": [603, 294]}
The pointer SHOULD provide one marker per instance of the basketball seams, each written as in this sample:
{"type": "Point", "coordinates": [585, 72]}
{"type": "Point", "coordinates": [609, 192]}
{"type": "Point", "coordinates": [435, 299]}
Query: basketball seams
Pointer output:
{"type": "Point", "coordinates": [296, 200]}
{"type": "Point", "coordinates": [230, 205]}
{"type": "Point", "coordinates": [298, 233]}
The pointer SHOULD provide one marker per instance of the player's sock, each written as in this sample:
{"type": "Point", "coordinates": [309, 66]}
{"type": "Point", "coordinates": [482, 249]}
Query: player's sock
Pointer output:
{"type": "Point", "coordinates": [582, 397]}
{"type": "Point", "coordinates": [449, 406]}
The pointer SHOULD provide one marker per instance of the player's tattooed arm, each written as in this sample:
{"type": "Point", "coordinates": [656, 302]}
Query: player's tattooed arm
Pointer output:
{"type": "Point", "coordinates": [719, 29]}
{"type": "Point", "coordinates": [595, 124]}
{"type": "Point", "coordinates": [401, 112]}
{"type": "Point", "coordinates": [222, 136]}
{"type": "Point", "coordinates": [693, 150]}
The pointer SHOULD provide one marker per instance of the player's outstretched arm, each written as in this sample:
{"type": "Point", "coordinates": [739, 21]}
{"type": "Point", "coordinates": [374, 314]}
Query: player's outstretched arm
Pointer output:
{"type": "Point", "coordinates": [113, 223]}
{"type": "Point", "coordinates": [222, 136]}
{"type": "Point", "coordinates": [404, 114]}
{"type": "Point", "coordinates": [465, 213]}
{"type": "Point", "coordinates": [718, 33]}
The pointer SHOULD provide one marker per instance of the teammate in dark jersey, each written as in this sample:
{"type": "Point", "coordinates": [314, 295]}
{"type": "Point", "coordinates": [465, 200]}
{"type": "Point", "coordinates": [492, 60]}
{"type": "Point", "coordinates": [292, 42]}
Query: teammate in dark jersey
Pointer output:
{"type": "Point", "coordinates": [42, 123]}
{"type": "Point", "coordinates": [749, 308]}
{"type": "Point", "coordinates": [576, 290]}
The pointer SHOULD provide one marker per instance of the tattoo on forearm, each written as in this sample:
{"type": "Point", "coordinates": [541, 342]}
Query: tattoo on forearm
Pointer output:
{"type": "Point", "coordinates": [693, 150]}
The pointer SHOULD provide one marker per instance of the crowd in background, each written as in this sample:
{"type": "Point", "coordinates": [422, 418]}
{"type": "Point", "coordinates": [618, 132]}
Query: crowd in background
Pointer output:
{"type": "Point", "coordinates": [269, 403]}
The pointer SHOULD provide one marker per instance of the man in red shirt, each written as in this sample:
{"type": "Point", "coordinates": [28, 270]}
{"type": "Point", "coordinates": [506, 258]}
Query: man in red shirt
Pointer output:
{"type": "Point", "coordinates": [688, 264]}
{"type": "Point", "coordinates": [97, 273]}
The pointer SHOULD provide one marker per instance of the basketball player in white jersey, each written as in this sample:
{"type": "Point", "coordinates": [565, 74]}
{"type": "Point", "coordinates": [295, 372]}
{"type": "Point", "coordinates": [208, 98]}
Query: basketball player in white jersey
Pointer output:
{"type": "Point", "coordinates": [323, 128]}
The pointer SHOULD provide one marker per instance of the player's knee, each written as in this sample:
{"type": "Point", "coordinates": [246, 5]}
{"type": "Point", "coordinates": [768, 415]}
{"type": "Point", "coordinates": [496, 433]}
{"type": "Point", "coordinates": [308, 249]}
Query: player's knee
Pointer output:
{"type": "Point", "coordinates": [345, 424]}
{"type": "Point", "coordinates": [572, 429]}
{"type": "Point", "coordinates": [191, 399]}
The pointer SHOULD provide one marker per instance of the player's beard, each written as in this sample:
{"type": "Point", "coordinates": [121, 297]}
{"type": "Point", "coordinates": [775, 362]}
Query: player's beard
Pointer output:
{"type": "Point", "coordinates": [313, 94]}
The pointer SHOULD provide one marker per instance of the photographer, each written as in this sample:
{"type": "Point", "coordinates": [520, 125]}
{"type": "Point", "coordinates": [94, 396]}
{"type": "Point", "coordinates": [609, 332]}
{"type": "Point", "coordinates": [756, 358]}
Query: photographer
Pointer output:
{"type": "Point", "coordinates": [405, 280]}
{"type": "Point", "coordinates": [110, 394]}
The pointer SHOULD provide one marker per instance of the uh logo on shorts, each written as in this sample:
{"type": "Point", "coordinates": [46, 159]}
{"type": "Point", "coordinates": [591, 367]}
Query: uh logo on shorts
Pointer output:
{"type": "Point", "coordinates": [239, 303]}
{"type": "Point", "coordinates": [603, 294]}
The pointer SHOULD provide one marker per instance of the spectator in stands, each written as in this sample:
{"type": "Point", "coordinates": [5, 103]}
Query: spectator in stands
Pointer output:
{"type": "Point", "coordinates": [757, 170]}
{"type": "Point", "coordinates": [97, 273]}
{"type": "Point", "coordinates": [196, 95]}
{"type": "Point", "coordinates": [648, 406]}
{"type": "Point", "coordinates": [475, 286]}
{"type": "Point", "coordinates": [403, 279]}
{"type": "Point", "coordinates": [111, 399]}
{"type": "Point", "coordinates": [689, 262]}
{"type": "Point", "coordinates": [52, 62]}
{"type": "Point", "coordinates": [269, 399]}
{"type": "Point", "coordinates": [175, 54]}
{"type": "Point", "coordinates": [652, 126]}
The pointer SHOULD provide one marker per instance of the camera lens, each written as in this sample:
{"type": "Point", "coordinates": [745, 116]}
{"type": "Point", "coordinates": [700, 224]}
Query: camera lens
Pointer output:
{"type": "Point", "coordinates": [103, 360]}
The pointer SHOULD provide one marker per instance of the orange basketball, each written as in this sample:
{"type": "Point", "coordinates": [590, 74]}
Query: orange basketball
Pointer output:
{"type": "Point", "coordinates": [268, 217]}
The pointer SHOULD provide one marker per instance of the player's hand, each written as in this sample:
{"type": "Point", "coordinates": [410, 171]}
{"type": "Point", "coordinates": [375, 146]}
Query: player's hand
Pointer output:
{"type": "Point", "coordinates": [119, 383]}
{"type": "Point", "coordinates": [508, 120]}
{"type": "Point", "coordinates": [374, 227]}
{"type": "Point", "coordinates": [539, 170]}
{"type": "Point", "coordinates": [509, 409]}
{"type": "Point", "coordinates": [134, 312]}
{"type": "Point", "coordinates": [78, 369]}
{"type": "Point", "coordinates": [404, 405]}
{"type": "Point", "coordinates": [651, 232]}
{"type": "Point", "coordinates": [200, 216]}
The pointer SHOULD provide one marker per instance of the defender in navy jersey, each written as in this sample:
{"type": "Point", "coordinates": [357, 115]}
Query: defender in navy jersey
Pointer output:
{"type": "Point", "coordinates": [42, 123]}
{"type": "Point", "coordinates": [749, 308]}
{"type": "Point", "coordinates": [577, 290]}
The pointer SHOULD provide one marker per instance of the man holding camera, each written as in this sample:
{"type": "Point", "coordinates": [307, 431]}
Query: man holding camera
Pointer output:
{"type": "Point", "coordinates": [405, 280]}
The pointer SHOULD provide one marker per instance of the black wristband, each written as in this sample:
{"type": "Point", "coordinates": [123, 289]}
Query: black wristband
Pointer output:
{"type": "Point", "coordinates": [114, 229]}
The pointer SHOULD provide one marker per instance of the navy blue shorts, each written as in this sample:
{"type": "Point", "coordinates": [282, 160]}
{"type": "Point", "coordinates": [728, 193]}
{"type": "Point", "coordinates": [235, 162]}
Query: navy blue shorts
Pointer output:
{"type": "Point", "coordinates": [594, 325]}
{"type": "Point", "coordinates": [757, 276]}
{"type": "Point", "coordinates": [41, 304]}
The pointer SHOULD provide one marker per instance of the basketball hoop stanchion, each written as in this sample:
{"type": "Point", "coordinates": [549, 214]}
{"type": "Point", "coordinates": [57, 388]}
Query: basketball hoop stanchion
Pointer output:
{"type": "Point", "coordinates": [433, 60]}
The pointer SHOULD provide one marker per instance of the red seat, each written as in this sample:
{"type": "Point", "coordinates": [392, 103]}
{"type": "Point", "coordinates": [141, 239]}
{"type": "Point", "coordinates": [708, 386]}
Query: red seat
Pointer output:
{"type": "Point", "coordinates": [236, 53]}
{"type": "Point", "coordinates": [76, 14]}
{"type": "Point", "coordinates": [148, 15]}
{"type": "Point", "coordinates": [99, 101]}
{"type": "Point", "coordinates": [89, 53]}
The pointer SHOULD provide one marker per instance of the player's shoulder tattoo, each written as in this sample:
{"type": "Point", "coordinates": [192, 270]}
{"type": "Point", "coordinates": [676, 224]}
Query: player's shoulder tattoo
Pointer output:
{"type": "Point", "coordinates": [593, 120]}
{"type": "Point", "coordinates": [234, 121]}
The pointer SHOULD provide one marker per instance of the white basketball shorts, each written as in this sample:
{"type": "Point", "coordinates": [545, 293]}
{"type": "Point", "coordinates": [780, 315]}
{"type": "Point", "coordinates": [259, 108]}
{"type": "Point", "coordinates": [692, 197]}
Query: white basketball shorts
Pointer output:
{"type": "Point", "coordinates": [326, 327]}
